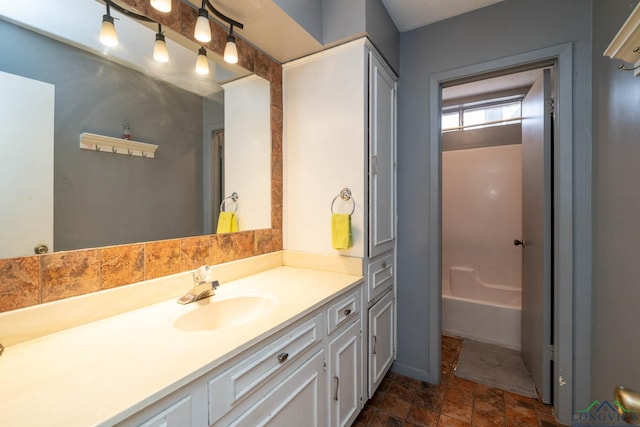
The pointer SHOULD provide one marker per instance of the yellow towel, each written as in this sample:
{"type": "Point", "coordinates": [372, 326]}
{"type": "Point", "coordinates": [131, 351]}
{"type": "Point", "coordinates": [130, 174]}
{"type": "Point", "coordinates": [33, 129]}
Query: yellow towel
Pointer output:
{"type": "Point", "coordinates": [341, 231]}
{"type": "Point", "coordinates": [227, 222]}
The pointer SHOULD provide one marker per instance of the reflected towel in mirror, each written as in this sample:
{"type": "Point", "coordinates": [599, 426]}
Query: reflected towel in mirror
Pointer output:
{"type": "Point", "coordinates": [227, 222]}
{"type": "Point", "coordinates": [341, 237]}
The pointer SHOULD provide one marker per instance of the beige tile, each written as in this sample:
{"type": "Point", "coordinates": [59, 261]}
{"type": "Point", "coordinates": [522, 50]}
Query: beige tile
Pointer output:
{"type": "Point", "coordinates": [121, 265]}
{"type": "Point", "coordinates": [67, 274]}
{"type": "Point", "coordinates": [20, 284]}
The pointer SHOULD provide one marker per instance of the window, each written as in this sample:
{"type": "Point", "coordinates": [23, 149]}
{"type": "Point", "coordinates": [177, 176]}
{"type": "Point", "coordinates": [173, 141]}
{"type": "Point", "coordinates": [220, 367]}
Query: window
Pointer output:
{"type": "Point", "coordinates": [475, 117]}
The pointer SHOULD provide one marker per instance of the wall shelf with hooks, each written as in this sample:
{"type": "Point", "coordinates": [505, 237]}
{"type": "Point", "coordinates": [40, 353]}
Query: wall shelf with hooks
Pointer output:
{"type": "Point", "coordinates": [108, 144]}
{"type": "Point", "coordinates": [625, 46]}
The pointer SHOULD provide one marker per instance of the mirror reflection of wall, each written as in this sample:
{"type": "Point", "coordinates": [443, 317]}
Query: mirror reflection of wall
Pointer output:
{"type": "Point", "coordinates": [102, 199]}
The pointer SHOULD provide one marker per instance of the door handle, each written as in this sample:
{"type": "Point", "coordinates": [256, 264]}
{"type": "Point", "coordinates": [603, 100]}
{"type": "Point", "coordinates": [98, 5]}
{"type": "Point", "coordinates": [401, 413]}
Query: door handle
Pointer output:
{"type": "Point", "coordinates": [337, 387]}
{"type": "Point", "coordinates": [519, 243]}
{"type": "Point", "coordinates": [630, 400]}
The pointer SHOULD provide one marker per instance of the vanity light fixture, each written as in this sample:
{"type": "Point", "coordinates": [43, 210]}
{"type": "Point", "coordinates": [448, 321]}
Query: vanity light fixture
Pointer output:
{"type": "Point", "coordinates": [202, 64]}
{"type": "Point", "coordinates": [108, 35]}
{"type": "Point", "coordinates": [161, 5]}
{"type": "Point", "coordinates": [203, 30]}
{"type": "Point", "coordinates": [160, 51]}
{"type": "Point", "coordinates": [230, 49]}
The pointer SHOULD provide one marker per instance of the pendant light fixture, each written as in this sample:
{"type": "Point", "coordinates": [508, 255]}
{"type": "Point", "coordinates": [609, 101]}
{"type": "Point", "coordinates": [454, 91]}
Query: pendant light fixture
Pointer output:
{"type": "Point", "coordinates": [230, 49]}
{"type": "Point", "coordinates": [160, 51]}
{"type": "Point", "coordinates": [203, 30]}
{"type": "Point", "coordinates": [161, 5]}
{"type": "Point", "coordinates": [202, 64]}
{"type": "Point", "coordinates": [108, 35]}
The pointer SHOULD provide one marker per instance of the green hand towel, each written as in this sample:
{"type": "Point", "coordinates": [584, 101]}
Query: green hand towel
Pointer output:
{"type": "Point", "coordinates": [341, 231]}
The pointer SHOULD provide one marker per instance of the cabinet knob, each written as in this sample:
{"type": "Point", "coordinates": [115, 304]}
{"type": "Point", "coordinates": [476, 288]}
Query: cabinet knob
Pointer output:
{"type": "Point", "coordinates": [282, 357]}
{"type": "Point", "coordinates": [347, 311]}
{"type": "Point", "coordinates": [384, 264]}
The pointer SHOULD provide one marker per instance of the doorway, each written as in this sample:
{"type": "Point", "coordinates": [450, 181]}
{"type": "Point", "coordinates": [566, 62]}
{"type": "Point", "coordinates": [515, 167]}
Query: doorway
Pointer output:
{"type": "Point", "coordinates": [563, 247]}
{"type": "Point", "coordinates": [496, 227]}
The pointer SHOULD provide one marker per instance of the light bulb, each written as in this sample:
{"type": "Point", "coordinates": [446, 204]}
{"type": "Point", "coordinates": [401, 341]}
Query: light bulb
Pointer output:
{"type": "Point", "coordinates": [161, 5]}
{"type": "Point", "coordinates": [203, 31]}
{"type": "Point", "coordinates": [202, 65]}
{"type": "Point", "coordinates": [160, 52]}
{"type": "Point", "coordinates": [108, 35]}
{"type": "Point", "coordinates": [231, 50]}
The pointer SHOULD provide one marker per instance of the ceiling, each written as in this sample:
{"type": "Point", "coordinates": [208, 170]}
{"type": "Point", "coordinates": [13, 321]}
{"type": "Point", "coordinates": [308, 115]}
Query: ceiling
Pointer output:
{"type": "Point", "coordinates": [270, 29]}
{"type": "Point", "coordinates": [494, 84]}
{"type": "Point", "coordinates": [412, 14]}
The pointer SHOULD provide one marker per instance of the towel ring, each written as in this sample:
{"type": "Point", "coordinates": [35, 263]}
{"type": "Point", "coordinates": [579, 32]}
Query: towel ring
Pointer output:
{"type": "Point", "coordinates": [345, 194]}
{"type": "Point", "coordinates": [234, 198]}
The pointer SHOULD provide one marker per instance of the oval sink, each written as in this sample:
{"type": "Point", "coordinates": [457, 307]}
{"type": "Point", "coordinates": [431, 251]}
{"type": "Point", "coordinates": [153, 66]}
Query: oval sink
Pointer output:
{"type": "Point", "coordinates": [219, 312]}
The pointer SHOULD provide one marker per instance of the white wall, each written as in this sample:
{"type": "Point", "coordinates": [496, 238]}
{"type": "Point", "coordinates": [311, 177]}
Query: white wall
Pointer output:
{"type": "Point", "coordinates": [482, 213]}
{"type": "Point", "coordinates": [247, 164]}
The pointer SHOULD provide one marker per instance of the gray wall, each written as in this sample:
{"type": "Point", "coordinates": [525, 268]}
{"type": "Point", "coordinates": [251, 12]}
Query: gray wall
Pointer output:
{"type": "Point", "coordinates": [103, 199]}
{"type": "Point", "coordinates": [307, 13]}
{"type": "Point", "coordinates": [616, 231]}
{"type": "Point", "coordinates": [472, 38]}
{"type": "Point", "coordinates": [342, 20]}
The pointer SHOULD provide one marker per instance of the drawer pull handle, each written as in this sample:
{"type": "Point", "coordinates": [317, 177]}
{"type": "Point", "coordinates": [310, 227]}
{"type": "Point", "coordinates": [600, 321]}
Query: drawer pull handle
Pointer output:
{"type": "Point", "coordinates": [347, 311]}
{"type": "Point", "coordinates": [375, 340]}
{"type": "Point", "coordinates": [337, 388]}
{"type": "Point", "coordinates": [282, 357]}
{"type": "Point", "coordinates": [384, 264]}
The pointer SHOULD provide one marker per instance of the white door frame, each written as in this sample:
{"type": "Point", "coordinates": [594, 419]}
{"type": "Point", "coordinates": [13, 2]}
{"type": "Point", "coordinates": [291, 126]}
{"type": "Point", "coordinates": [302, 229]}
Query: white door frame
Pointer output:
{"type": "Point", "coordinates": [568, 386]}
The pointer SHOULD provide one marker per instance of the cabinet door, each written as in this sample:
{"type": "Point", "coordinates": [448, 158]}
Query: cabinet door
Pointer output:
{"type": "Point", "coordinates": [177, 415]}
{"type": "Point", "coordinates": [381, 340]}
{"type": "Point", "coordinates": [345, 354]}
{"type": "Point", "coordinates": [382, 137]}
{"type": "Point", "coordinates": [299, 400]}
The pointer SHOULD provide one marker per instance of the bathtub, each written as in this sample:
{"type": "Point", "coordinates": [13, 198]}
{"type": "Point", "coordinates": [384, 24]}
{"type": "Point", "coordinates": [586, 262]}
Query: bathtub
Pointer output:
{"type": "Point", "coordinates": [480, 311]}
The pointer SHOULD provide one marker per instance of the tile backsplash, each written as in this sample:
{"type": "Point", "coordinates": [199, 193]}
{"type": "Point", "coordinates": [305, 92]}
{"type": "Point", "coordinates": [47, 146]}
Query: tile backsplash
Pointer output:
{"type": "Point", "coordinates": [32, 280]}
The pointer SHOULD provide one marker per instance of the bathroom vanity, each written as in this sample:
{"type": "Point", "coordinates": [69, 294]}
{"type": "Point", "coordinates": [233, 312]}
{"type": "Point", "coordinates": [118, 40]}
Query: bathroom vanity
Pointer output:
{"type": "Point", "coordinates": [292, 356]}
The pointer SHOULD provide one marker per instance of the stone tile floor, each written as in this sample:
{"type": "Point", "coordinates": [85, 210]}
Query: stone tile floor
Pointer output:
{"type": "Point", "coordinates": [404, 401]}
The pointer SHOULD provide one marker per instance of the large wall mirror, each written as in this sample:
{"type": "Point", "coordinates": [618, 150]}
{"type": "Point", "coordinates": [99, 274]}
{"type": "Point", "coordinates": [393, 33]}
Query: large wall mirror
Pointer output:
{"type": "Point", "coordinates": [58, 82]}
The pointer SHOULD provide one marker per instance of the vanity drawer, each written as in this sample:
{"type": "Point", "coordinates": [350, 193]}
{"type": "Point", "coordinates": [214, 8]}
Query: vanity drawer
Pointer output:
{"type": "Point", "coordinates": [348, 307]}
{"type": "Point", "coordinates": [379, 276]}
{"type": "Point", "coordinates": [259, 366]}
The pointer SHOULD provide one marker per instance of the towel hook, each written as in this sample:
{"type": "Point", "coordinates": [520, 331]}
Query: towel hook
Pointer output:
{"type": "Point", "coordinates": [345, 194]}
{"type": "Point", "coordinates": [234, 198]}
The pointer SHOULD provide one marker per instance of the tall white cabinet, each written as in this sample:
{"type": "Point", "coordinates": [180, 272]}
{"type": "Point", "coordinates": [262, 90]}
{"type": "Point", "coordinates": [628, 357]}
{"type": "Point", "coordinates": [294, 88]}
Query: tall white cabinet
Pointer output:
{"type": "Point", "coordinates": [340, 132]}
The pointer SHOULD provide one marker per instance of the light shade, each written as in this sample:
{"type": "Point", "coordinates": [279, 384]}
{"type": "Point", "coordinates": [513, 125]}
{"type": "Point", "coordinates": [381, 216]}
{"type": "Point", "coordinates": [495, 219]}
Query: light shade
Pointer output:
{"type": "Point", "coordinates": [161, 5]}
{"type": "Point", "coordinates": [160, 52]}
{"type": "Point", "coordinates": [231, 50]}
{"type": "Point", "coordinates": [202, 64]}
{"type": "Point", "coordinates": [203, 30]}
{"type": "Point", "coordinates": [108, 35]}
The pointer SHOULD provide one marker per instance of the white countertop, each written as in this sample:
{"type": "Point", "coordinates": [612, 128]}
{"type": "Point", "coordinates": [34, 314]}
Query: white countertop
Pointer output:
{"type": "Point", "coordinates": [102, 372]}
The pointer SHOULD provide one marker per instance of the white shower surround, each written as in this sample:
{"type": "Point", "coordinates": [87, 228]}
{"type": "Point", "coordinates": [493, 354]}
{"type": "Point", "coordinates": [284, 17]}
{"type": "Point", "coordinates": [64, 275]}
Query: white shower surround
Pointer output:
{"type": "Point", "coordinates": [481, 217]}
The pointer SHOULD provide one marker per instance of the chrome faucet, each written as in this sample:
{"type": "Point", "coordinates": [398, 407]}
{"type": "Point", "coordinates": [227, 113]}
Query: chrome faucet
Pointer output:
{"type": "Point", "coordinates": [204, 286]}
